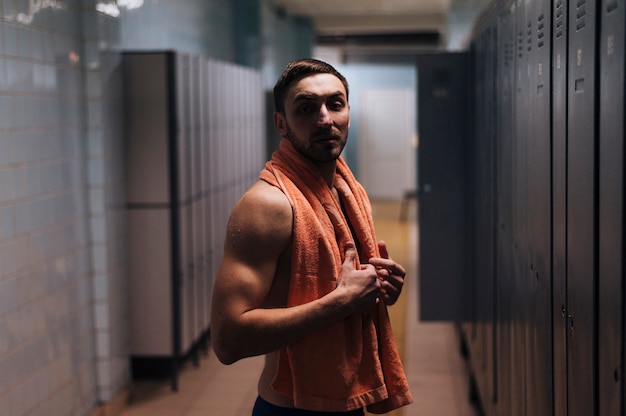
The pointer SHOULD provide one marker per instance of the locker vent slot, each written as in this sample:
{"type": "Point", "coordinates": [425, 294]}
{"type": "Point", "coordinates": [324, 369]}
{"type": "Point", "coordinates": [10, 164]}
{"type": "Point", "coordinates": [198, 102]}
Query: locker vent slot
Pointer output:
{"type": "Point", "coordinates": [509, 51]}
{"type": "Point", "coordinates": [520, 44]}
{"type": "Point", "coordinates": [559, 19]}
{"type": "Point", "coordinates": [581, 14]}
{"type": "Point", "coordinates": [529, 34]}
{"type": "Point", "coordinates": [540, 32]}
{"type": "Point", "coordinates": [611, 7]}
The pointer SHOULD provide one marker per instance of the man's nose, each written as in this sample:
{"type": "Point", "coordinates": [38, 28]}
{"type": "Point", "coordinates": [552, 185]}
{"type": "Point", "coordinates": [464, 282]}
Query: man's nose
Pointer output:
{"type": "Point", "coordinates": [324, 118]}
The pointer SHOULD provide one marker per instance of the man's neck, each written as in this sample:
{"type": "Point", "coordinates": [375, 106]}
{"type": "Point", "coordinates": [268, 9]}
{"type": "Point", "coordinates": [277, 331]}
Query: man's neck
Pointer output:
{"type": "Point", "coordinates": [327, 170]}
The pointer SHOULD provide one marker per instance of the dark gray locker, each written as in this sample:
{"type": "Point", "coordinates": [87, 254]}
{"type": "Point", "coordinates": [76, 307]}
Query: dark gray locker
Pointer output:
{"type": "Point", "coordinates": [611, 209]}
{"type": "Point", "coordinates": [481, 332]}
{"type": "Point", "coordinates": [581, 209]}
{"type": "Point", "coordinates": [537, 275]}
{"type": "Point", "coordinates": [560, 184]}
{"type": "Point", "coordinates": [519, 270]}
{"type": "Point", "coordinates": [504, 254]}
{"type": "Point", "coordinates": [444, 134]}
{"type": "Point", "coordinates": [559, 204]}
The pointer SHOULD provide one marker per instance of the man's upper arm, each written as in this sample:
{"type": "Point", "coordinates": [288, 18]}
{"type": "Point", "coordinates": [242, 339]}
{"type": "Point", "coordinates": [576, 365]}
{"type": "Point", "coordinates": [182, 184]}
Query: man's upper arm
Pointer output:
{"type": "Point", "coordinates": [258, 232]}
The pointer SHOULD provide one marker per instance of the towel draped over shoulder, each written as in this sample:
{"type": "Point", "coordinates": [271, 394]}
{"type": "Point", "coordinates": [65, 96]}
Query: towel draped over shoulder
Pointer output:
{"type": "Point", "coordinates": [353, 363]}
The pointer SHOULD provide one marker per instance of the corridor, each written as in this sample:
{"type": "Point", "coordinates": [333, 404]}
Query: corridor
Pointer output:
{"type": "Point", "coordinates": [435, 368]}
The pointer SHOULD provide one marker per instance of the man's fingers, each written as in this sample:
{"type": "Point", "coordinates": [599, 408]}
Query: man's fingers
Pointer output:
{"type": "Point", "coordinates": [383, 274]}
{"type": "Point", "coordinates": [350, 254]}
{"type": "Point", "coordinates": [388, 264]}
{"type": "Point", "coordinates": [382, 246]}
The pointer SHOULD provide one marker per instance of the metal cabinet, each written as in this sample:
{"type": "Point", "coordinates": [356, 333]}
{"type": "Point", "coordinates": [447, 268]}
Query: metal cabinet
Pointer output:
{"type": "Point", "coordinates": [612, 55]}
{"type": "Point", "coordinates": [558, 286]}
{"type": "Point", "coordinates": [536, 249]}
{"type": "Point", "coordinates": [444, 136]}
{"type": "Point", "coordinates": [507, 381]}
{"type": "Point", "coordinates": [581, 207]}
{"type": "Point", "coordinates": [195, 142]}
{"type": "Point", "coordinates": [559, 204]}
{"type": "Point", "coordinates": [167, 251]}
{"type": "Point", "coordinates": [480, 326]}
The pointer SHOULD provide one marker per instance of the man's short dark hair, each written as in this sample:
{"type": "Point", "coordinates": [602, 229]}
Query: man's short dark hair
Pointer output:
{"type": "Point", "coordinates": [295, 71]}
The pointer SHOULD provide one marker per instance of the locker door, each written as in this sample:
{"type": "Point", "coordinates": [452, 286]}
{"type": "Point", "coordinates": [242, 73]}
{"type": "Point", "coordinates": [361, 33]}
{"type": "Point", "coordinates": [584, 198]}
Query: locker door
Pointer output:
{"type": "Point", "coordinates": [443, 135]}
{"type": "Point", "coordinates": [483, 204]}
{"type": "Point", "coordinates": [184, 143]}
{"type": "Point", "coordinates": [559, 192]}
{"type": "Point", "coordinates": [611, 208]}
{"type": "Point", "coordinates": [519, 242]}
{"type": "Point", "coordinates": [504, 256]}
{"type": "Point", "coordinates": [581, 209]}
{"type": "Point", "coordinates": [196, 198]}
{"type": "Point", "coordinates": [537, 275]}
{"type": "Point", "coordinates": [214, 164]}
{"type": "Point", "coordinates": [156, 257]}
{"type": "Point", "coordinates": [206, 191]}
{"type": "Point", "coordinates": [152, 223]}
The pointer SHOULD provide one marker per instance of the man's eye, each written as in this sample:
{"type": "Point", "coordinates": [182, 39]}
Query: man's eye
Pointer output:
{"type": "Point", "coordinates": [336, 106]}
{"type": "Point", "coordinates": [304, 109]}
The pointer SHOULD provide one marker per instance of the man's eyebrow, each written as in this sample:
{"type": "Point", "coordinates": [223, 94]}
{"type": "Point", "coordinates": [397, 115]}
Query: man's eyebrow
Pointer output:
{"type": "Point", "coordinates": [314, 97]}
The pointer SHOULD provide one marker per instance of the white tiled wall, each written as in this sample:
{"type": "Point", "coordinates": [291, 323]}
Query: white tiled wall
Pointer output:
{"type": "Point", "coordinates": [63, 295]}
{"type": "Point", "coordinates": [64, 337]}
{"type": "Point", "coordinates": [47, 346]}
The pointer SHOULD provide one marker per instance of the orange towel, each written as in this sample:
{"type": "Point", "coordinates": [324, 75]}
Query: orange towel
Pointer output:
{"type": "Point", "coordinates": [353, 363]}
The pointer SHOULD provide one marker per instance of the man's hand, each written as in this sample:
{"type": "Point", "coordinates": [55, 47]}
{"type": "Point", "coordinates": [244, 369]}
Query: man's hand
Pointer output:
{"type": "Point", "coordinates": [362, 285]}
{"type": "Point", "coordinates": [390, 273]}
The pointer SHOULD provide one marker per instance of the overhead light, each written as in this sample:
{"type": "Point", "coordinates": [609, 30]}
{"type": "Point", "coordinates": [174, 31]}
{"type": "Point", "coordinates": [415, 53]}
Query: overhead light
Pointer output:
{"type": "Point", "coordinates": [110, 9]}
{"type": "Point", "coordinates": [113, 9]}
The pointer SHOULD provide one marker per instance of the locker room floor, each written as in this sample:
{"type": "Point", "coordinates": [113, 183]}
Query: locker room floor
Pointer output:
{"type": "Point", "coordinates": [435, 368]}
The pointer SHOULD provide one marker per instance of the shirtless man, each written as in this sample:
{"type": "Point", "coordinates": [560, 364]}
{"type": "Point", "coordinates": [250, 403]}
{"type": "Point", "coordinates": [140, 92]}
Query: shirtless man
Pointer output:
{"type": "Point", "coordinates": [250, 316]}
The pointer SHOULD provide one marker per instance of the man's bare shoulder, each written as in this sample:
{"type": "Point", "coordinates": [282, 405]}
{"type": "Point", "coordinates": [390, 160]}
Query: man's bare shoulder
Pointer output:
{"type": "Point", "coordinates": [263, 199]}
{"type": "Point", "coordinates": [269, 194]}
{"type": "Point", "coordinates": [263, 215]}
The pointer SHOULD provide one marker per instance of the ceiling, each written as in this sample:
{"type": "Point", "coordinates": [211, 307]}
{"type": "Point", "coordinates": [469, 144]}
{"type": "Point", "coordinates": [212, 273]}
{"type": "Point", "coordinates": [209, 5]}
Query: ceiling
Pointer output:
{"type": "Point", "coordinates": [390, 25]}
{"type": "Point", "coordinates": [338, 17]}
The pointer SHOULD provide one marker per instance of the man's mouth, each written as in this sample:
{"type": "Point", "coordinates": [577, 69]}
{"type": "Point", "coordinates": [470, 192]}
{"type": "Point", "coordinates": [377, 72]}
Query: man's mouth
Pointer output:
{"type": "Point", "coordinates": [323, 137]}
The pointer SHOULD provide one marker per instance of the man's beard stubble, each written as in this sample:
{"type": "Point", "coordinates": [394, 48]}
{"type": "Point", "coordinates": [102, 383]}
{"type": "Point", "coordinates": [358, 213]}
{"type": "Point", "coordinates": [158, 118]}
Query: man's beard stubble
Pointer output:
{"type": "Point", "coordinates": [307, 149]}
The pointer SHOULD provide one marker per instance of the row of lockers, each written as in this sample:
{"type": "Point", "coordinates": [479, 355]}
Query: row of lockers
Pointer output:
{"type": "Point", "coordinates": [546, 220]}
{"type": "Point", "coordinates": [195, 142]}
{"type": "Point", "coordinates": [522, 221]}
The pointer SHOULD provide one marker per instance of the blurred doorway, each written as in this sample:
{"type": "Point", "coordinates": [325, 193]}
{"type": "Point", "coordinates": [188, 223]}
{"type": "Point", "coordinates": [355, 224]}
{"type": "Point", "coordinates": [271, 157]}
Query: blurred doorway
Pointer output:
{"type": "Point", "coordinates": [387, 153]}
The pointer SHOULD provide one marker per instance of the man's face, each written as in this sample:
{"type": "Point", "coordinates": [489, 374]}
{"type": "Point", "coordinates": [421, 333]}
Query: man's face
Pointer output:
{"type": "Point", "coordinates": [317, 117]}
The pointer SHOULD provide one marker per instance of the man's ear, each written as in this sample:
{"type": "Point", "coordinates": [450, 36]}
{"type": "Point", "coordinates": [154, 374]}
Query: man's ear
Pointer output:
{"type": "Point", "coordinates": [280, 123]}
